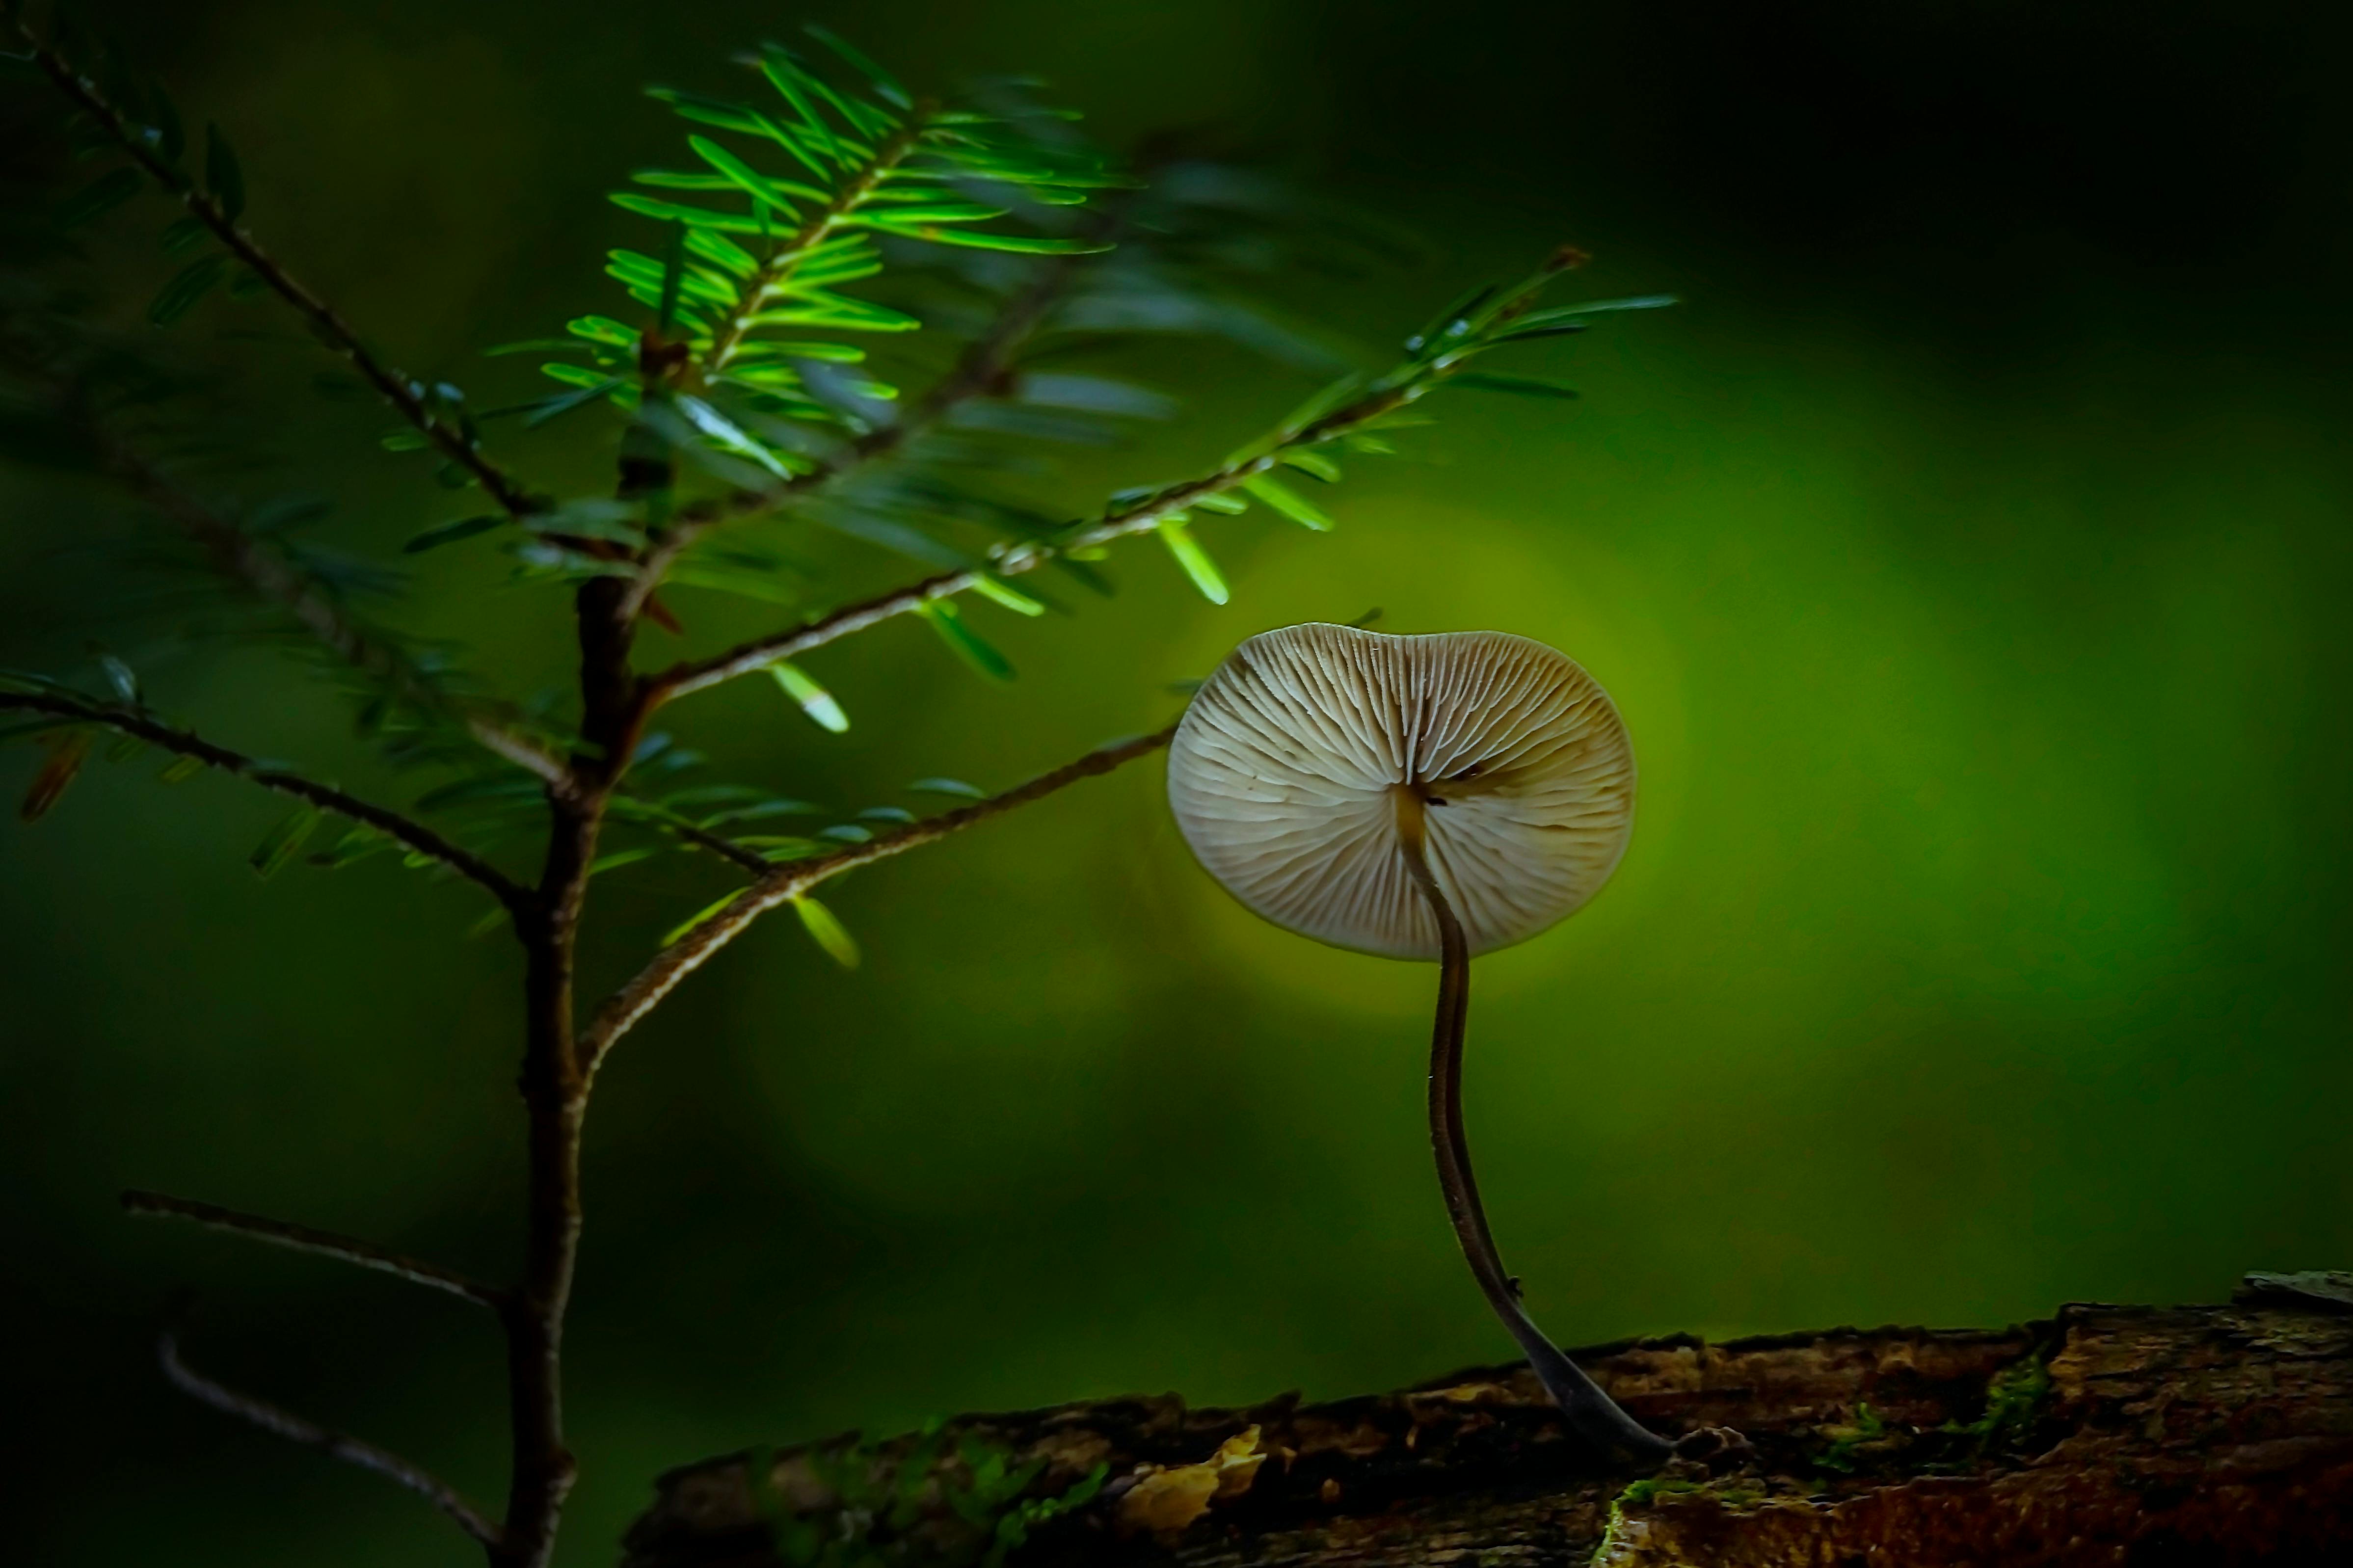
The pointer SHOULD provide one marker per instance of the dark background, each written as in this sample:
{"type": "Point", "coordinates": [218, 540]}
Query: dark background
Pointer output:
{"type": "Point", "coordinates": [1968, 555]}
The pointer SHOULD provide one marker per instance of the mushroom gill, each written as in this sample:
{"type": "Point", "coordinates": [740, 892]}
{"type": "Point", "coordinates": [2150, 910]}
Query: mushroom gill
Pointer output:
{"type": "Point", "coordinates": [1286, 773]}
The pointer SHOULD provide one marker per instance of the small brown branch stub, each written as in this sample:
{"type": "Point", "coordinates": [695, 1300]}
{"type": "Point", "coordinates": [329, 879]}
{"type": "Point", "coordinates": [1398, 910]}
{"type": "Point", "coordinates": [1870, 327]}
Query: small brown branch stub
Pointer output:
{"type": "Point", "coordinates": [320, 1243]}
{"type": "Point", "coordinates": [335, 1445]}
{"type": "Point", "coordinates": [622, 1011]}
{"type": "Point", "coordinates": [410, 834]}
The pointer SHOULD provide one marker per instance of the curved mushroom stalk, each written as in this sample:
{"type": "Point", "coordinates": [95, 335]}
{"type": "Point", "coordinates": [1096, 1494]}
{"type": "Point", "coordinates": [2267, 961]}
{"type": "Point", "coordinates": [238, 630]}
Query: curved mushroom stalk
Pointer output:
{"type": "Point", "coordinates": [1420, 798]}
{"type": "Point", "coordinates": [1593, 1413]}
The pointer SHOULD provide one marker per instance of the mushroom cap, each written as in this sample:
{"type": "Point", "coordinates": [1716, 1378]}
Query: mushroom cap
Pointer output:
{"type": "Point", "coordinates": [1303, 759]}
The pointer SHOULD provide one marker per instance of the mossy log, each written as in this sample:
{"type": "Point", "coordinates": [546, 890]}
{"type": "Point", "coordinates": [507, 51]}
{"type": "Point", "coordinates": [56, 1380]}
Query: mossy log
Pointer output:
{"type": "Point", "coordinates": [2106, 1435]}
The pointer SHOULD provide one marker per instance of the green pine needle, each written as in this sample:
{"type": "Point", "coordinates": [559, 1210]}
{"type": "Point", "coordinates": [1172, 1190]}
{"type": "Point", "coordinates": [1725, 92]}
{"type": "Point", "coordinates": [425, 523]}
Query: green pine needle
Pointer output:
{"type": "Point", "coordinates": [829, 932]}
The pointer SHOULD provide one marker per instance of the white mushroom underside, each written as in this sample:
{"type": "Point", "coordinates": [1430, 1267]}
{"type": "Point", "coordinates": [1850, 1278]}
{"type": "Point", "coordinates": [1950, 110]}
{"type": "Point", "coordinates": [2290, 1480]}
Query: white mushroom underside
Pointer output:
{"type": "Point", "coordinates": [1284, 774]}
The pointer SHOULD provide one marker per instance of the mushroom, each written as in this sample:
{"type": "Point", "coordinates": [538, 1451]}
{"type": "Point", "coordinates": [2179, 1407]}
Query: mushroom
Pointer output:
{"type": "Point", "coordinates": [1418, 797]}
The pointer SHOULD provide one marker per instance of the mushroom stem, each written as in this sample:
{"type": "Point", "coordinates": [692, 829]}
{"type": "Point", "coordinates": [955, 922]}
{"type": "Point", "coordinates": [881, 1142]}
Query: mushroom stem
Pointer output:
{"type": "Point", "coordinates": [1591, 1414]}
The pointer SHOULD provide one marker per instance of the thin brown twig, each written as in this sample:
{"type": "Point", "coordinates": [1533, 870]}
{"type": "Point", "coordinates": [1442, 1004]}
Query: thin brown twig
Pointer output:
{"type": "Point", "coordinates": [693, 674]}
{"type": "Point", "coordinates": [321, 1243]}
{"type": "Point", "coordinates": [270, 577]}
{"type": "Point", "coordinates": [324, 321]}
{"type": "Point", "coordinates": [334, 1444]}
{"type": "Point", "coordinates": [266, 575]}
{"type": "Point", "coordinates": [1010, 560]}
{"type": "Point", "coordinates": [1141, 516]}
{"type": "Point", "coordinates": [980, 371]}
{"type": "Point", "coordinates": [718, 844]}
{"type": "Point", "coordinates": [412, 835]}
{"type": "Point", "coordinates": [783, 884]}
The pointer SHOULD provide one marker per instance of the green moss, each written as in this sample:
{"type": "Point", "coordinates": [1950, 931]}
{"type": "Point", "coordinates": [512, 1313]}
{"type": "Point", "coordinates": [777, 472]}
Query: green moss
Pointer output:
{"type": "Point", "coordinates": [2014, 1397]}
{"type": "Point", "coordinates": [1637, 1494]}
{"type": "Point", "coordinates": [1845, 1441]}
{"type": "Point", "coordinates": [1650, 1489]}
{"type": "Point", "coordinates": [981, 1514]}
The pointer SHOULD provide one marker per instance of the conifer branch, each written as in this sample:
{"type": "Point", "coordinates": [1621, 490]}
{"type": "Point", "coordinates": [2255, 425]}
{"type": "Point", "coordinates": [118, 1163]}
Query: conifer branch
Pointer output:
{"type": "Point", "coordinates": [1485, 320]}
{"type": "Point", "coordinates": [320, 1243]}
{"type": "Point", "coordinates": [405, 396]}
{"type": "Point", "coordinates": [980, 371]}
{"type": "Point", "coordinates": [412, 835]}
{"type": "Point", "coordinates": [1141, 516]}
{"type": "Point", "coordinates": [783, 884]}
{"type": "Point", "coordinates": [694, 675]}
{"type": "Point", "coordinates": [271, 575]}
{"type": "Point", "coordinates": [777, 267]}
{"type": "Point", "coordinates": [238, 556]}
{"type": "Point", "coordinates": [334, 1444]}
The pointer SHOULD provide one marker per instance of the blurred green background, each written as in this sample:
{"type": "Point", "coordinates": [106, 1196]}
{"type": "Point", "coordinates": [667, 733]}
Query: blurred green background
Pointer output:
{"type": "Point", "coordinates": [1968, 556]}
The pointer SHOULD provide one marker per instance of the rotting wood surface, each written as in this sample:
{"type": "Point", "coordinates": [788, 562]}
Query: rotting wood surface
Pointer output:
{"type": "Point", "coordinates": [2108, 1435]}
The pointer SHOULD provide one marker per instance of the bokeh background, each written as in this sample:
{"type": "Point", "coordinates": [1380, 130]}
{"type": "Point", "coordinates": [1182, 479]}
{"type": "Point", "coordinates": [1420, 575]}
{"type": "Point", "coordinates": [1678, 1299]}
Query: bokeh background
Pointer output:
{"type": "Point", "coordinates": [1968, 556]}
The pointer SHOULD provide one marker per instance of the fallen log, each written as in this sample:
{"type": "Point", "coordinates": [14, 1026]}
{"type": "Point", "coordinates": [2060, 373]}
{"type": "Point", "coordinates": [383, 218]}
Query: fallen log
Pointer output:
{"type": "Point", "coordinates": [2112, 1435]}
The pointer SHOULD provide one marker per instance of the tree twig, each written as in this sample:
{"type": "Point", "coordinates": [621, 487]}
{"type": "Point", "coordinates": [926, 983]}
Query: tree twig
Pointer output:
{"type": "Point", "coordinates": [783, 884]}
{"type": "Point", "coordinates": [1402, 386]}
{"type": "Point", "coordinates": [717, 844]}
{"type": "Point", "coordinates": [1007, 561]}
{"type": "Point", "coordinates": [272, 578]}
{"type": "Point", "coordinates": [412, 835]}
{"type": "Point", "coordinates": [321, 1243]}
{"type": "Point", "coordinates": [311, 1434]}
{"type": "Point", "coordinates": [1139, 516]}
{"type": "Point", "coordinates": [406, 397]}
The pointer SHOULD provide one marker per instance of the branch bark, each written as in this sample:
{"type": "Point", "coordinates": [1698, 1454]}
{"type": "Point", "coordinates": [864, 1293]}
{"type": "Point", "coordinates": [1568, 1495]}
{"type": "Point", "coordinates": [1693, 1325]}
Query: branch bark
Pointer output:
{"type": "Point", "coordinates": [694, 675]}
{"type": "Point", "coordinates": [1141, 516]}
{"type": "Point", "coordinates": [553, 1087]}
{"type": "Point", "coordinates": [405, 396]}
{"type": "Point", "coordinates": [334, 1444]}
{"type": "Point", "coordinates": [2105, 1435]}
{"type": "Point", "coordinates": [238, 556]}
{"type": "Point", "coordinates": [410, 834]}
{"type": "Point", "coordinates": [320, 1243]}
{"type": "Point", "coordinates": [271, 577]}
{"type": "Point", "coordinates": [621, 1012]}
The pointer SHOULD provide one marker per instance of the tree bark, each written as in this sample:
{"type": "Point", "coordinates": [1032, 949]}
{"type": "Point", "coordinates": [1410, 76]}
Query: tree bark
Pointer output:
{"type": "Point", "coordinates": [2109, 1435]}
